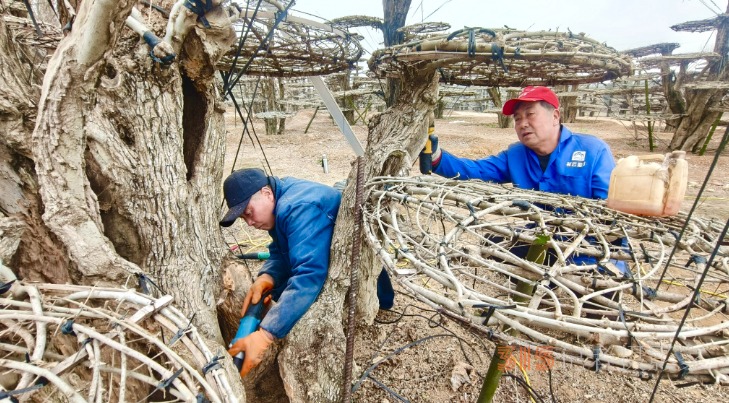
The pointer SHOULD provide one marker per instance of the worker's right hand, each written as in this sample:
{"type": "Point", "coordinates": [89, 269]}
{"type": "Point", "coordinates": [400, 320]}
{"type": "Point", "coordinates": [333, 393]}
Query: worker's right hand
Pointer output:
{"type": "Point", "coordinates": [262, 285]}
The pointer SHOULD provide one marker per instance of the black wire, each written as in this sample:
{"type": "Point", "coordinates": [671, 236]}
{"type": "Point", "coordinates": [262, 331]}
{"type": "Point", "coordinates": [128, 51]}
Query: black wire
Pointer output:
{"type": "Point", "coordinates": [527, 387]}
{"type": "Point", "coordinates": [691, 212]}
{"type": "Point", "coordinates": [246, 120]}
{"type": "Point", "coordinates": [267, 40]}
{"type": "Point", "coordinates": [688, 310]}
{"type": "Point", "coordinates": [519, 380]}
{"type": "Point", "coordinates": [386, 389]}
{"type": "Point", "coordinates": [240, 44]}
{"type": "Point", "coordinates": [551, 391]}
{"type": "Point", "coordinates": [430, 320]}
{"type": "Point", "coordinates": [402, 314]}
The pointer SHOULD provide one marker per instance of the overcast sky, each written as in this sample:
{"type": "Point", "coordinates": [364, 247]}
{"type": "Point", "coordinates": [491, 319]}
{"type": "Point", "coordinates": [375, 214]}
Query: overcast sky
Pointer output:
{"type": "Point", "coordinates": [623, 24]}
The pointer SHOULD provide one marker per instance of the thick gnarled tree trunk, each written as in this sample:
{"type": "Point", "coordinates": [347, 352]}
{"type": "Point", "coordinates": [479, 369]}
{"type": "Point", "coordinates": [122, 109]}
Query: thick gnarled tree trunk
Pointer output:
{"type": "Point", "coordinates": [312, 359]}
{"type": "Point", "coordinates": [128, 156]}
{"type": "Point", "coordinates": [38, 256]}
{"type": "Point", "coordinates": [692, 129]}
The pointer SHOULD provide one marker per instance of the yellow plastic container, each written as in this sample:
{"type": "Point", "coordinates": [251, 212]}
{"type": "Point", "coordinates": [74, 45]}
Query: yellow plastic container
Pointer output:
{"type": "Point", "coordinates": [649, 185]}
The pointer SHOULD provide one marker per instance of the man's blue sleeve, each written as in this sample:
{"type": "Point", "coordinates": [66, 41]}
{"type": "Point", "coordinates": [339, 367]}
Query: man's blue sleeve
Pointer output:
{"type": "Point", "coordinates": [309, 232]}
{"type": "Point", "coordinates": [494, 168]}
{"type": "Point", "coordinates": [274, 267]}
{"type": "Point", "coordinates": [604, 165]}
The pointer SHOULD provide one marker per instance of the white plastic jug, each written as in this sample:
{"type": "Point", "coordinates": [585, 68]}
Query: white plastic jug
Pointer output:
{"type": "Point", "coordinates": [649, 185]}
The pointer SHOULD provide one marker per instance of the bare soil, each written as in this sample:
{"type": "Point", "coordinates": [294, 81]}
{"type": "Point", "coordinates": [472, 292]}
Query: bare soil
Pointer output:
{"type": "Point", "coordinates": [422, 373]}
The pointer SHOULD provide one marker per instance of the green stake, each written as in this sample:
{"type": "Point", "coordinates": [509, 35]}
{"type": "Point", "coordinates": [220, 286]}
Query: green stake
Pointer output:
{"type": "Point", "coordinates": [536, 254]}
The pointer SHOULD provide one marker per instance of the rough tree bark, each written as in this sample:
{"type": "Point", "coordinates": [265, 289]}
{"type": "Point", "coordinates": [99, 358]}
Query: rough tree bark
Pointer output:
{"type": "Point", "coordinates": [312, 359]}
{"type": "Point", "coordinates": [118, 172]}
{"type": "Point", "coordinates": [504, 121]}
{"type": "Point", "coordinates": [281, 96]}
{"type": "Point", "coordinates": [39, 255]}
{"type": "Point", "coordinates": [568, 108]}
{"type": "Point", "coordinates": [694, 127]}
{"type": "Point", "coordinates": [395, 13]}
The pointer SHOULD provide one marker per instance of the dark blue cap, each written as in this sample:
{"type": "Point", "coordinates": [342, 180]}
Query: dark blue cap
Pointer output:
{"type": "Point", "coordinates": [238, 189]}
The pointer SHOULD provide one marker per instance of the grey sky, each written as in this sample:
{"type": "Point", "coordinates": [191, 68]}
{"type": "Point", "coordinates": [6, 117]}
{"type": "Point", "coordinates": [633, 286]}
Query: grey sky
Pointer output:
{"type": "Point", "coordinates": [623, 24]}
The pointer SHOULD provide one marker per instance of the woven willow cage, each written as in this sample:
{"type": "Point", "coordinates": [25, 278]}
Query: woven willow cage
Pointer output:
{"type": "Point", "coordinates": [298, 47]}
{"type": "Point", "coordinates": [98, 344]}
{"type": "Point", "coordinates": [461, 246]}
{"type": "Point", "coordinates": [491, 57]}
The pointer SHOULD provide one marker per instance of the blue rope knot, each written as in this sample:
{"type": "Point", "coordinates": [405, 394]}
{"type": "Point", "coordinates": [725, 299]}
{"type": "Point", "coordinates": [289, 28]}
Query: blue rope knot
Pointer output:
{"type": "Point", "coordinates": [497, 55]}
{"type": "Point", "coordinates": [472, 210]}
{"type": "Point", "coordinates": [681, 364]}
{"type": "Point", "coordinates": [491, 308]}
{"type": "Point", "coordinates": [167, 383]}
{"type": "Point", "coordinates": [152, 40]}
{"type": "Point", "coordinates": [200, 7]}
{"type": "Point", "coordinates": [596, 357]}
{"type": "Point", "coordinates": [471, 43]}
{"type": "Point", "coordinates": [696, 259]}
{"type": "Point", "coordinates": [522, 204]}
{"type": "Point", "coordinates": [67, 328]}
{"type": "Point", "coordinates": [213, 364]}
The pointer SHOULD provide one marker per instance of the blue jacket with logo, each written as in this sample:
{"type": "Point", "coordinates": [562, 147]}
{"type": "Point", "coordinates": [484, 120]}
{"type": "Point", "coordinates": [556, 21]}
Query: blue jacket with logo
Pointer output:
{"type": "Point", "coordinates": [580, 166]}
{"type": "Point", "coordinates": [305, 213]}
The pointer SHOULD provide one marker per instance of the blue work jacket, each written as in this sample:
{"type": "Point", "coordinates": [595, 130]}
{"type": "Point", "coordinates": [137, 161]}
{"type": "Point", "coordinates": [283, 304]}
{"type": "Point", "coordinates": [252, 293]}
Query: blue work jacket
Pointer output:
{"type": "Point", "coordinates": [580, 165]}
{"type": "Point", "coordinates": [305, 213]}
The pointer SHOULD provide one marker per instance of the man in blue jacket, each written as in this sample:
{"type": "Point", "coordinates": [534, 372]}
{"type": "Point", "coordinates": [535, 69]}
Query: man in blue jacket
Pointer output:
{"type": "Point", "coordinates": [299, 216]}
{"type": "Point", "coordinates": [548, 157]}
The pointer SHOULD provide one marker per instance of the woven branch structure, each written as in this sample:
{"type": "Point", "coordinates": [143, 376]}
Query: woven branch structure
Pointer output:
{"type": "Point", "coordinates": [423, 30]}
{"type": "Point", "coordinates": [354, 21]}
{"type": "Point", "coordinates": [299, 47]}
{"type": "Point", "coordinates": [654, 62]}
{"type": "Point", "coordinates": [24, 32]}
{"type": "Point", "coordinates": [459, 246]}
{"type": "Point", "coordinates": [658, 48]}
{"type": "Point", "coordinates": [486, 57]}
{"type": "Point", "coordinates": [95, 343]}
{"type": "Point", "coordinates": [706, 25]}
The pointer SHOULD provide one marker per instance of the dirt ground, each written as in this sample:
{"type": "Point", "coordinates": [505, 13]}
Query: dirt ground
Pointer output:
{"type": "Point", "coordinates": [422, 373]}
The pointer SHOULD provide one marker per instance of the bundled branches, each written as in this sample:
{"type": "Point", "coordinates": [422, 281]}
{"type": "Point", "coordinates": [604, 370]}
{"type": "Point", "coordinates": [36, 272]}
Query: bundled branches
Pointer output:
{"type": "Point", "coordinates": [354, 21]}
{"type": "Point", "coordinates": [118, 343]}
{"type": "Point", "coordinates": [298, 47]}
{"type": "Point", "coordinates": [461, 246]}
{"type": "Point", "coordinates": [706, 25]}
{"type": "Point", "coordinates": [479, 56]}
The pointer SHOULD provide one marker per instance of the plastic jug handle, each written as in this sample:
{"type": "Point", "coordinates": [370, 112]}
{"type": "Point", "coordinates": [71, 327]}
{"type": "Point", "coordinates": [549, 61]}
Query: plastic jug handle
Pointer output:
{"type": "Point", "coordinates": [651, 157]}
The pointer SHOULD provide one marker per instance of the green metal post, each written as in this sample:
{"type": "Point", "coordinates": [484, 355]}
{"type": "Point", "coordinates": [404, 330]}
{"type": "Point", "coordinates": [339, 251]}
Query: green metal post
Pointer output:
{"type": "Point", "coordinates": [536, 254]}
{"type": "Point", "coordinates": [648, 112]}
{"type": "Point", "coordinates": [311, 120]}
{"type": "Point", "coordinates": [711, 133]}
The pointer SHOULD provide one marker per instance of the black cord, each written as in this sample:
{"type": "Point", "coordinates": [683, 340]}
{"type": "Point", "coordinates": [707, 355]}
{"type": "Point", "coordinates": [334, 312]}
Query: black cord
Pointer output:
{"type": "Point", "coordinates": [402, 314]}
{"type": "Point", "coordinates": [688, 310]}
{"type": "Point", "coordinates": [431, 324]}
{"type": "Point", "coordinates": [691, 212]}
{"type": "Point", "coordinates": [551, 391]}
{"type": "Point", "coordinates": [386, 389]}
{"type": "Point", "coordinates": [240, 45]}
{"type": "Point", "coordinates": [279, 17]}
{"type": "Point", "coordinates": [527, 387]}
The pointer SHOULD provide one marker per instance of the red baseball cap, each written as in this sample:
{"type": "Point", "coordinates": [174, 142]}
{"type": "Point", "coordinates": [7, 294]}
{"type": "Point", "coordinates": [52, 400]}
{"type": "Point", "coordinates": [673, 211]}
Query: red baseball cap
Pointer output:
{"type": "Point", "coordinates": [532, 94]}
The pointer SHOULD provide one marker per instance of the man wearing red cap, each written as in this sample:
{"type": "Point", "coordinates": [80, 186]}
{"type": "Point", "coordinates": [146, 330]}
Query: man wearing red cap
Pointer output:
{"type": "Point", "coordinates": [548, 157]}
